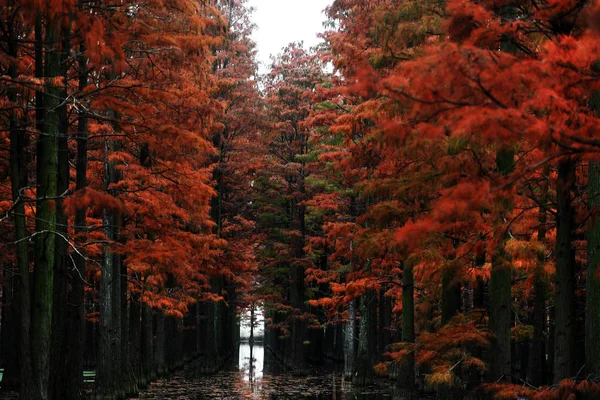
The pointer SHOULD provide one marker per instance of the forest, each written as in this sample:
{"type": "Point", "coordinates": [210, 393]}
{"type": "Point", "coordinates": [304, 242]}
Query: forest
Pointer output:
{"type": "Point", "coordinates": [415, 199]}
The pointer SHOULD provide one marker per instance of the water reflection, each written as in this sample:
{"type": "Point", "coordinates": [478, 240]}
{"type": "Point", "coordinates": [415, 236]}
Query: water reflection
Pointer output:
{"type": "Point", "coordinates": [255, 375]}
{"type": "Point", "coordinates": [251, 361]}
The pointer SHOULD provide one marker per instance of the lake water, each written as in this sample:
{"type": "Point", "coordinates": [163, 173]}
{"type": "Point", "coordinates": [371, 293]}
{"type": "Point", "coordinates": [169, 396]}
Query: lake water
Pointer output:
{"type": "Point", "coordinates": [258, 378]}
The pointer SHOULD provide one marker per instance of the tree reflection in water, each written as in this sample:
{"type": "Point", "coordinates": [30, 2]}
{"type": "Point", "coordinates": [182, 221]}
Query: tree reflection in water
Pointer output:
{"type": "Point", "coordinates": [254, 375]}
{"type": "Point", "coordinates": [251, 364]}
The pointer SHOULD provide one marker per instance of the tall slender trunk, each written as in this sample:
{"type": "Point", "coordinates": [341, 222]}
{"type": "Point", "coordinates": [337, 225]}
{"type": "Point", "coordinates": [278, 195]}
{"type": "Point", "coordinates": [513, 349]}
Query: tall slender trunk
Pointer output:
{"type": "Point", "coordinates": [384, 337]}
{"type": "Point", "coordinates": [128, 380]}
{"type": "Point", "coordinates": [159, 344]}
{"type": "Point", "coordinates": [592, 306]}
{"type": "Point", "coordinates": [450, 294]}
{"type": "Point", "coordinates": [199, 330]}
{"type": "Point", "coordinates": [134, 354]}
{"type": "Point", "coordinates": [61, 343]}
{"type": "Point", "coordinates": [109, 378]}
{"type": "Point", "coordinates": [10, 326]}
{"type": "Point", "coordinates": [365, 357]}
{"type": "Point", "coordinates": [117, 306]}
{"type": "Point", "coordinates": [77, 293]}
{"type": "Point", "coordinates": [297, 290]}
{"type": "Point", "coordinates": [350, 340]}
{"type": "Point", "coordinates": [500, 316]}
{"type": "Point", "coordinates": [564, 341]}
{"type": "Point", "coordinates": [537, 361]}
{"type": "Point", "coordinates": [252, 320]}
{"type": "Point", "coordinates": [146, 356]}
{"type": "Point", "coordinates": [212, 334]}
{"type": "Point", "coordinates": [451, 301]}
{"type": "Point", "coordinates": [550, 344]}
{"type": "Point", "coordinates": [45, 240]}
{"type": "Point", "coordinates": [592, 343]}
{"type": "Point", "coordinates": [11, 309]}
{"type": "Point", "coordinates": [20, 281]}
{"type": "Point", "coordinates": [105, 387]}
{"type": "Point", "coordinates": [407, 372]}
{"type": "Point", "coordinates": [500, 288]}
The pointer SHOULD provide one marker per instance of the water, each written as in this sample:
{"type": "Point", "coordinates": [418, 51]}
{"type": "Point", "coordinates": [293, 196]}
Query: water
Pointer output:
{"type": "Point", "coordinates": [257, 378]}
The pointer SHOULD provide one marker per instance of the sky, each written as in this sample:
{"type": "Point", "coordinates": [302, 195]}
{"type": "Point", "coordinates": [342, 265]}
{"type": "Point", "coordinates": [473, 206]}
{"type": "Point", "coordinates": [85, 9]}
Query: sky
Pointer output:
{"type": "Point", "coordinates": [280, 22]}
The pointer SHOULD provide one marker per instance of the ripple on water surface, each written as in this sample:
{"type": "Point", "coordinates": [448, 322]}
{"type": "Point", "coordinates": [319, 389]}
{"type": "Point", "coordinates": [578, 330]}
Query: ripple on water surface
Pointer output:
{"type": "Point", "coordinates": [259, 380]}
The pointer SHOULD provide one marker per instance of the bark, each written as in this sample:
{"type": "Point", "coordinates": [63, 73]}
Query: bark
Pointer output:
{"type": "Point", "coordinates": [77, 294]}
{"type": "Point", "coordinates": [500, 315]}
{"type": "Point", "coordinates": [297, 290]}
{"type": "Point", "coordinates": [120, 375]}
{"type": "Point", "coordinates": [109, 378]}
{"type": "Point", "coordinates": [146, 350]}
{"type": "Point", "coordinates": [479, 298]}
{"type": "Point", "coordinates": [16, 319]}
{"type": "Point", "coordinates": [592, 315]}
{"type": "Point", "coordinates": [212, 344]}
{"type": "Point", "coordinates": [298, 325]}
{"type": "Point", "coordinates": [350, 336]}
{"type": "Point", "coordinates": [407, 372]}
{"type": "Point", "coordinates": [45, 239]}
{"type": "Point", "coordinates": [129, 384]}
{"type": "Point", "coordinates": [160, 362]}
{"type": "Point", "coordinates": [550, 344]}
{"type": "Point", "coordinates": [135, 339]}
{"type": "Point", "coordinates": [537, 357]}
{"type": "Point", "coordinates": [107, 346]}
{"type": "Point", "coordinates": [61, 331]}
{"type": "Point", "coordinates": [367, 345]}
{"type": "Point", "coordinates": [190, 332]}
{"type": "Point", "coordinates": [199, 329]}
{"type": "Point", "coordinates": [9, 329]}
{"type": "Point", "coordinates": [385, 321]}
{"type": "Point", "coordinates": [180, 343]}
{"type": "Point", "coordinates": [564, 341]}
{"type": "Point", "coordinates": [339, 343]}
{"type": "Point", "coordinates": [252, 320]}
{"type": "Point", "coordinates": [450, 294]}
{"type": "Point", "coordinates": [592, 307]}
{"type": "Point", "coordinates": [451, 301]}
{"type": "Point", "coordinates": [500, 289]}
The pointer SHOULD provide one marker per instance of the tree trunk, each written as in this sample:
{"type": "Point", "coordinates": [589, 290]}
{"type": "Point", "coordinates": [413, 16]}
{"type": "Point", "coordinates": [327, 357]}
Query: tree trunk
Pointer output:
{"type": "Point", "coordinates": [550, 344]}
{"type": "Point", "coordinates": [450, 294]}
{"type": "Point", "coordinates": [109, 373]}
{"type": "Point", "coordinates": [160, 361]}
{"type": "Point", "coordinates": [537, 360]}
{"type": "Point", "coordinates": [367, 345]}
{"type": "Point", "coordinates": [18, 313]}
{"type": "Point", "coordinates": [147, 352]}
{"type": "Point", "coordinates": [565, 275]}
{"type": "Point", "coordinates": [61, 332]}
{"type": "Point", "coordinates": [77, 293]}
{"type": "Point", "coordinates": [105, 386]}
{"type": "Point", "coordinates": [350, 334]}
{"type": "Point", "coordinates": [298, 325]}
{"type": "Point", "coordinates": [592, 306]}
{"type": "Point", "coordinates": [385, 321]}
{"type": "Point", "coordinates": [212, 344]}
{"type": "Point", "coordinates": [592, 315]}
{"type": "Point", "coordinates": [297, 290]}
{"type": "Point", "coordinates": [45, 239]}
{"type": "Point", "coordinates": [9, 332]}
{"type": "Point", "coordinates": [500, 289]}
{"type": "Point", "coordinates": [135, 340]}
{"type": "Point", "coordinates": [199, 329]}
{"type": "Point", "coordinates": [128, 378]}
{"type": "Point", "coordinates": [407, 372]}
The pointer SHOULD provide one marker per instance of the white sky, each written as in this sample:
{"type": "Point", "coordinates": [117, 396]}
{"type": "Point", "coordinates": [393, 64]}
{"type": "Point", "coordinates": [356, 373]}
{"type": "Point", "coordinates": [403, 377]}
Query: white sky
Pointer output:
{"type": "Point", "coordinates": [280, 22]}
